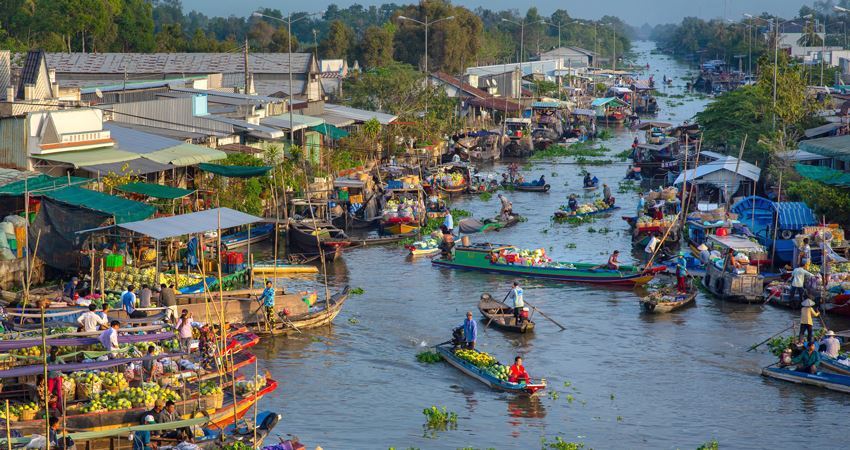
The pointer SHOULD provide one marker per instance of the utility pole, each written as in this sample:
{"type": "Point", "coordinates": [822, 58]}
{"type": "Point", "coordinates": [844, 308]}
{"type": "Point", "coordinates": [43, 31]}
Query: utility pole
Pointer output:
{"type": "Point", "coordinates": [245, 62]}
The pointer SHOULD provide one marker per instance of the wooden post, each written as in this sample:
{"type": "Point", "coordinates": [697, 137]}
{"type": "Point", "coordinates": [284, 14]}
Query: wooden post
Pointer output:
{"type": "Point", "coordinates": [102, 280]}
{"type": "Point", "coordinates": [8, 428]}
{"type": "Point", "coordinates": [46, 392]}
{"type": "Point", "coordinates": [775, 224]}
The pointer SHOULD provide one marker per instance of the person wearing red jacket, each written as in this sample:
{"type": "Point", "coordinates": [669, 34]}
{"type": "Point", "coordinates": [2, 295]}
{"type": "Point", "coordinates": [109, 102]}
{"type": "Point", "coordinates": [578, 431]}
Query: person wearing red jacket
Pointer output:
{"type": "Point", "coordinates": [517, 372]}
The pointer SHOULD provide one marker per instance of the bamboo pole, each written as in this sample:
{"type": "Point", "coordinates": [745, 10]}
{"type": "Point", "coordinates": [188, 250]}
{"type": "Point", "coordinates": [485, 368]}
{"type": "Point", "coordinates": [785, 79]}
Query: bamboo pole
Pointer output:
{"type": "Point", "coordinates": [221, 287]}
{"type": "Point", "coordinates": [685, 183]}
{"type": "Point", "coordinates": [8, 428]}
{"type": "Point", "coordinates": [256, 370]}
{"type": "Point", "coordinates": [775, 224]}
{"type": "Point", "coordinates": [318, 241]}
{"type": "Point", "coordinates": [46, 391]}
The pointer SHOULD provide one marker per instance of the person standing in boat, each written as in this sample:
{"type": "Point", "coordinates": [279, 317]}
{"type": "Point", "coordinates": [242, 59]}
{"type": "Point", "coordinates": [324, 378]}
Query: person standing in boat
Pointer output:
{"type": "Point", "coordinates": [470, 331]}
{"type": "Point", "coordinates": [681, 272]}
{"type": "Point", "coordinates": [518, 373]}
{"type": "Point", "coordinates": [606, 193]}
{"type": "Point", "coordinates": [806, 254]}
{"type": "Point", "coordinates": [449, 221]}
{"type": "Point", "coordinates": [267, 298]}
{"type": "Point", "coordinates": [806, 313]}
{"type": "Point", "coordinates": [641, 204]}
{"type": "Point", "coordinates": [507, 207]}
{"type": "Point", "coordinates": [573, 203]}
{"type": "Point", "coordinates": [798, 281]}
{"type": "Point", "coordinates": [517, 300]}
{"type": "Point", "coordinates": [588, 181]}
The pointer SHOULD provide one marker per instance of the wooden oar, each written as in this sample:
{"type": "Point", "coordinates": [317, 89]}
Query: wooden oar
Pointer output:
{"type": "Point", "coordinates": [777, 334]}
{"type": "Point", "coordinates": [502, 302]}
{"type": "Point", "coordinates": [563, 328]}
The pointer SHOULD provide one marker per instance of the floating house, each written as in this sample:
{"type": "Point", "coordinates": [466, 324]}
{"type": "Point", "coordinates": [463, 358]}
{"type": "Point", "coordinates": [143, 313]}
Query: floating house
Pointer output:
{"type": "Point", "coordinates": [775, 224]}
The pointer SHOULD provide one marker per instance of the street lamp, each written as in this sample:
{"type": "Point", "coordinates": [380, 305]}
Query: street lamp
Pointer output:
{"type": "Point", "coordinates": [288, 21]}
{"type": "Point", "coordinates": [521, 56]}
{"type": "Point", "coordinates": [427, 24]}
{"type": "Point", "coordinates": [843, 10]}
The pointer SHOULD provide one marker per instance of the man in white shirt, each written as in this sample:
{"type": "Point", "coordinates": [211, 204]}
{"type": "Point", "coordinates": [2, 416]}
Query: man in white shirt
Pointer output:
{"type": "Point", "coordinates": [91, 321]}
{"type": "Point", "coordinates": [109, 338]}
{"type": "Point", "coordinates": [832, 345]}
{"type": "Point", "coordinates": [798, 282]}
{"type": "Point", "coordinates": [518, 302]}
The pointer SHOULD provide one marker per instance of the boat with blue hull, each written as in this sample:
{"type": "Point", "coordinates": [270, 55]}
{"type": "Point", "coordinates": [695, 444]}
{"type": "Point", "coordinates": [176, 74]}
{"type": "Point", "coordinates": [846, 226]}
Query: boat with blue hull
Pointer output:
{"type": "Point", "coordinates": [448, 354]}
{"type": "Point", "coordinates": [242, 238]}
{"type": "Point", "coordinates": [834, 382]}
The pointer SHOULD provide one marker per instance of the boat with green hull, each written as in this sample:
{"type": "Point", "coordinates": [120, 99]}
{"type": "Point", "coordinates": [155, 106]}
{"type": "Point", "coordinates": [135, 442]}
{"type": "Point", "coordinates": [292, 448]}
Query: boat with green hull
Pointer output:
{"type": "Point", "coordinates": [487, 257]}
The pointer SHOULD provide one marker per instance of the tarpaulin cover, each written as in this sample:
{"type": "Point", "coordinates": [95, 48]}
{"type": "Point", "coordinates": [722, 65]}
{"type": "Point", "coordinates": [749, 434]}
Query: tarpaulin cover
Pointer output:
{"type": "Point", "coordinates": [58, 244]}
{"type": "Point", "coordinates": [330, 131]}
{"type": "Point", "coordinates": [41, 183]}
{"type": "Point", "coordinates": [825, 175]}
{"type": "Point", "coordinates": [192, 223]}
{"type": "Point", "coordinates": [185, 155]}
{"type": "Point", "coordinates": [89, 435]}
{"type": "Point", "coordinates": [139, 166]}
{"type": "Point", "coordinates": [235, 171]}
{"type": "Point", "coordinates": [24, 371]}
{"type": "Point", "coordinates": [5, 346]}
{"type": "Point", "coordinates": [837, 147]}
{"type": "Point", "coordinates": [122, 209]}
{"type": "Point", "coordinates": [155, 190]}
{"type": "Point", "coordinates": [472, 225]}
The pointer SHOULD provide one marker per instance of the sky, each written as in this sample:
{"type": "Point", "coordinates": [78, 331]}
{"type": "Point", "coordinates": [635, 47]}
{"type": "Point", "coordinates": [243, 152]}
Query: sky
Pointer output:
{"type": "Point", "coordinates": [634, 12]}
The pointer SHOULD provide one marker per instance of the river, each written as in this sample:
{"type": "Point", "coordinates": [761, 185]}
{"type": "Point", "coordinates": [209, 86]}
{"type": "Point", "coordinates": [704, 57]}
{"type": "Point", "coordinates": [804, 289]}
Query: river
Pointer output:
{"type": "Point", "coordinates": [617, 378]}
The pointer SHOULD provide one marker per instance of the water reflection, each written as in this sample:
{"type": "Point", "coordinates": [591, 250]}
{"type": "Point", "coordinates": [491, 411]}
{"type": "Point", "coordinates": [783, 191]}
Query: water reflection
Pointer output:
{"type": "Point", "coordinates": [526, 407]}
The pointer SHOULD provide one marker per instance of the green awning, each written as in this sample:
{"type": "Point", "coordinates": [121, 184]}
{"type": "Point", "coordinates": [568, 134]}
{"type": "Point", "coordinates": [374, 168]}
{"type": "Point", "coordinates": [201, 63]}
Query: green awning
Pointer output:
{"type": "Point", "coordinates": [235, 171]}
{"type": "Point", "coordinates": [330, 131]}
{"type": "Point", "coordinates": [122, 209]}
{"type": "Point", "coordinates": [185, 155]}
{"type": "Point", "coordinates": [155, 190]}
{"type": "Point", "coordinates": [79, 158]}
{"type": "Point", "coordinates": [837, 147]}
{"type": "Point", "coordinates": [41, 183]}
{"type": "Point", "coordinates": [825, 175]}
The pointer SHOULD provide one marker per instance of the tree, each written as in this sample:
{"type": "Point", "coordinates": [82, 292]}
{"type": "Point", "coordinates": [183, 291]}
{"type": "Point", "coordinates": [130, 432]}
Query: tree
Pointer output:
{"type": "Point", "coordinates": [338, 42]}
{"type": "Point", "coordinates": [376, 47]}
{"type": "Point", "coordinates": [280, 41]}
{"type": "Point", "coordinates": [261, 34]}
{"type": "Point", "coordinates": [451, 43]}
{"type": "Point", "coordinates": [171, 39]}
{"type": "Point", "coordinates": [135, 27]}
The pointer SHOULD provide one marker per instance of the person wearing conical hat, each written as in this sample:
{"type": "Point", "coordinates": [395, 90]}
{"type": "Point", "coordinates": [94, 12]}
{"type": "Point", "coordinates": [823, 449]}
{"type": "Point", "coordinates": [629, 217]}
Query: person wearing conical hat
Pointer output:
{"type": "Point", "coordinates": [806, 313]}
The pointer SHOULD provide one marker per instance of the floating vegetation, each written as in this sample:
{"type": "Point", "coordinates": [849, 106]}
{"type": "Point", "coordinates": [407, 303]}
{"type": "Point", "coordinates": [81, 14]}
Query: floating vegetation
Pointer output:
{"type": "Point", "coordinates": [624, 155]}
{"type": "Point", "coordinates": [353, 321]}
{"type": "Point", "coordinates": [461, 213]}
{"type": "Point", "coordinates": [357, 291]}
{"type": "Point", "coordinates": [624, 187]}
{"type": "Point", "coordinates": [554, 174]}
{"type": "Point", "coordinates": [428, 357]}
{"type": "Point", "coordinates": [573, 220]}
{"type": "Point", "coordinates": [570, 398]}
{"type": "Point", "coordinates": [591, 230]}
{"type": "Point", "coordinates": [486, 196]}
{"type": "Point", "coordinates": [604, 134]}
{"type": "Point", "coordinates": [710, 445]}
{"type": "Point", "coordinates": [560, 444]}
{"type": "Point", "coordinates": [569, 245]}
{"type": "Point", "coordinates": [582, 161]}
{"type": "Point", "coordinates": [605, 230]}
{"type": "Point", "coordinates": [553, 394]}
{"type": "Point", "coordinates": [439, 418]}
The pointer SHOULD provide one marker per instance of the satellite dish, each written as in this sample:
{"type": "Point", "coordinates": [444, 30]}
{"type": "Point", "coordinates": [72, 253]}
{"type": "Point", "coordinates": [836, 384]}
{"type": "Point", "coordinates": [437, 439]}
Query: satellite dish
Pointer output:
{"type": "Point", "coordinates": [98, 93]}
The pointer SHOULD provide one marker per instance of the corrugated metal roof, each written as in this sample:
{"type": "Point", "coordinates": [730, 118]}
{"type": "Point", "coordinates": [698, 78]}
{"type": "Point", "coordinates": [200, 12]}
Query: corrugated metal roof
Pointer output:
{"type": "Point", "coordinates": [298, 121]}
{"type": "Point", "coordinates": [823, 129]}
{"type": "Point", "coordinates": [186, 155]}
{"type": "Point", "coordinates": [729, 163]}
{"type": "Point", "coordinates": [837, 147]}
{"type": "Point", "coordinates": [13, 149]}
{"type": "Point", "coordinates": [171, 63]}
{"type": "Point", "coordinates": [336, 120]}
{"type": "Point", "coordinates": [140, 166]}
{"type": "Point", "coordinates": [137, 141]}
{"type": "Point", "coordinates": [192, 223]}
{"type": "Point", "coordinates": [260, 131]}
{"type": "Point", "coordinates": [12, 175]}
{"type": "Point", "coordinates": [360, 115]}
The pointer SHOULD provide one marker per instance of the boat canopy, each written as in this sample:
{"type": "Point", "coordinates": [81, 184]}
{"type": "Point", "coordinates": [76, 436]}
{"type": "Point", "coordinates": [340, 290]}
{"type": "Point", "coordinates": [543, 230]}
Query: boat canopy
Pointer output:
{"type": "Point", "coordinates": [545, 105]}
{"type": "Point", "coordinates": [192, 223]}
{"type": "Point", "coordinates": [608, 101]}
{"type": "Point", "coordinates": [737, 243]}
{"type": "Point", "coordinates": [791, 215]}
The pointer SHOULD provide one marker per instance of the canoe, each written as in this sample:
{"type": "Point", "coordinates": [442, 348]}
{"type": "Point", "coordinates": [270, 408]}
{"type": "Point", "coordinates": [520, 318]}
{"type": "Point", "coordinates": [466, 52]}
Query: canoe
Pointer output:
{"type": "Point", "coordinates": [380, 240]}
{"type": "Point", "coordinates": [320, 314]}
{"type": "Point", "coordinates": [416, 251]}
{"type": "Point", "coordinates": [562, 214]}
{"type": "Point", "coordinates": [400, 228]}
{"type": "Point", "coordinates": [331, 239]}
{"type": "Point", "coordinates": [650, 305]}
{"type": "Point", "coordinates": [501, 316]}
{"type": "Point", "coordinates": [483, 257]}
{"type": "Point", "coordinates": [269, 267]}
{"type": "Point", "coordinates": [832, 365]}
{"type": "Point", "coordinates": [834, 382]}
{"type": "Point", "coordinates": [528, 187]}
{"type": "Point", "coordinates": [240, 239]}
{"type": "Point", "coordinates": [469, 369]}
{"type": "Point", "coordinates": [472, 225]}
{"type": "Point", "coordinates": [454, 189]}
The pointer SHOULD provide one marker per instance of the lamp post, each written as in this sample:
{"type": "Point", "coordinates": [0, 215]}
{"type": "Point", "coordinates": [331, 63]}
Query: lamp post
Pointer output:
{"type": "Point", "coordinates": [288, 21]}
{"type": "Point", "coordinates": [427, 23]}
{"type": "Point", "coordinates": [521, 56]}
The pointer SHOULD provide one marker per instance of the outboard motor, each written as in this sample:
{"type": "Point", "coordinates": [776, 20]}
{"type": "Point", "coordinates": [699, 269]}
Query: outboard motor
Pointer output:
{"type": "Point", "coordinates": [457, 337]}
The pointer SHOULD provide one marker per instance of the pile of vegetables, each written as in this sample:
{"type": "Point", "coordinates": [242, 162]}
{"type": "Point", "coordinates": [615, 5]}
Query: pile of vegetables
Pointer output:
{"type": "Point", "coordinates": [118, 281]}
{"type": "Point", "coordinates": [498, 371]}
{"type": "Point", "coordinates": [210, 388]}
{"type": "Point", "coordinates": [428, 357]}
{"type": "Point", "coordinates": [426, 244]}
{"type": "Point", "coordinates": [646, 221]}
{"type": "Point", "coordinates": [598, 205]}
{"type": "Point", "coordinates": [478, 359]}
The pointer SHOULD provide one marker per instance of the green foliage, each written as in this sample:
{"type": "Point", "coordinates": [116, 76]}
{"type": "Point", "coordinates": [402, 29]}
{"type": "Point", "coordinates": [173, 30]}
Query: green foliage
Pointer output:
{"type": "Point", "coordinates": [713, 38]}
{"type": "Point", "coordinates": [710, 445]}
{"type": "Point", "coordinates": [560, 444]}
{"type": "Point", "coordinates": [338, 42]}
{"type": "Point", "coordinates": [452, 44]}
{"type": "Point", "coordinates": [439, 418]}
{"type": "Point", "coordinates": [829, 201]}
{"type": "Point", "coordinates": [744, 111]}
{"type": "Point", "coordinates": [460, 213]}
{"type": "Point", "coordinates": [576, 150]}
{"type": "Point", "coordinates": [428, 357]}
{"type": "Point", "coordinates": [485, 196]}
{"type": "Point", "coordinates": [357, 291]}
{"type": "Point", "coordinates": [376, 47]}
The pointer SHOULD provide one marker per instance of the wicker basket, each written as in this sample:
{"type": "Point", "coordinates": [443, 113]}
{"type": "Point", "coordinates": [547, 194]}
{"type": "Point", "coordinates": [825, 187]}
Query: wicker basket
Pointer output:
{"type": "Point", "coordinates": [113, 389]}
{"type": "Point", "coordinates": [28, 414]}
{"type": "Point", "coordinates": [13, 418]}
{"type": "Point", "coordinates": [7, 361]}
{"type": "Point", "coordinates": [85, 391]}
{"type": "Point", "coordinates": [69, 389]}
{"type": "Point", "coordinates": [218, 400]}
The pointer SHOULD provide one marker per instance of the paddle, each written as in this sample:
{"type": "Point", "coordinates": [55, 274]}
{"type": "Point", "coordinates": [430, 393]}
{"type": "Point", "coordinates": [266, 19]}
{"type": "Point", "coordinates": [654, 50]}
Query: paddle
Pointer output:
{"type": "Point", "coordinates": [563, 328]}
{"type": "Point", "coordinates": [777, 334]}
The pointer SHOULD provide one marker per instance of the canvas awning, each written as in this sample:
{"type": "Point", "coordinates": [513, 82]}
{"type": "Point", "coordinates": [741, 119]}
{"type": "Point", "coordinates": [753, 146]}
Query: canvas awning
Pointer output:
{"type": "Point", "coordinates": [192, 223]}
{"type": "Point", "coordinates": [185, 155]}
{"type": "Point", "coordinates": [155, 190]}
{"type": "Point", "coordinates": [823, 129]}
{"type": "Point", "coordinates": [82, 158]}
{"type": "Point", "coordinates": [41, 183]}
{"type": "Point", "coordinates": [330, 131]}
{"type": "Point", "coordinates": [122, 209]}
{"type": "Point", "coordinates": [360, 115]}
{"type": "Point", "coordinates": [235, 171]}
{"type": "Point", "coordinates": [336, 120]}
{"type": "Point", "coordinates": [139, 166]}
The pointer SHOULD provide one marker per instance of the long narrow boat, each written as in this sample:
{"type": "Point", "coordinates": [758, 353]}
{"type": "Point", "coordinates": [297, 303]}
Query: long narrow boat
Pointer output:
{"type": "Point", "coordinates": [348, 221]}
{"type": "Point", "coordinates": [532, 187]}
{"type": "Point", "coordinates": [834, 382]}
{"type": "Point", "coordinates": [303, 236]}
{"type": "Point", "coordinates": [380, 240]}
{"type": "Point", "coordinates": [472, 225]}
{"type": "Point", "coordinates": [469, 369]}
{"type": "Point", "coordinates": [563, 214]}
{"type": "Point", "coordinates": [320, 314]}
{"type": "Point", "coordinates": [833, 365]}
{"type": "Point", "coordinates": [242, 238]}
{"type": "Point", "coordinates": [485, 258]}
{"type": "Point", "coordinates": [400, 228]}
{"type": "Point", "coordinates": [668, 303]}
{"type": "Point", "coordinates": [269, 267]}
{"type": "Point", "coordinates": [501, 316]}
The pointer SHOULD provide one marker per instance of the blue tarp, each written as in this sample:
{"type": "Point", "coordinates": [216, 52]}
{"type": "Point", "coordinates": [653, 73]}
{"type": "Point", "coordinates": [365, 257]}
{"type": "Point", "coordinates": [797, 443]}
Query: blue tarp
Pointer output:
{"type": "Point", "coordinates": [546, 105]}
{"type": "Point", "coordinates": [794, 215]}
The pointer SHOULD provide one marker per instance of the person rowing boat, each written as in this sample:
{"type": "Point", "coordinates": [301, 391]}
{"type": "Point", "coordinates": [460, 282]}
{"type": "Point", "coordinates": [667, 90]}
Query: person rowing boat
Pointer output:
{"type": "Point", "coordinates": [614, 261]}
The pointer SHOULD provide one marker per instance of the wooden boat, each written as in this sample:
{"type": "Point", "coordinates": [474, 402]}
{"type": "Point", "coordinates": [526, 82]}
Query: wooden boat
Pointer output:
{"type": "Point", "coordinates": [564, 214]}
{"type": "Point", "coordinates": [348, 221]}
{"type": "Point", "coordinates": [381, 240]}
{"type": "Point", "coordinates": [400, 228]}
{"type": "Point", "coordinates": [320, 314]}
{"type": "Point", "coordinates": [471, 225]}
{"type": "Point", "coordinates": [531, 187]}
{"type": "Point", "coordinates": [241, 239]}
{"type": "Point", "coordinates": [832, 365]}
{"type": "Point", "coordinates": [331, 239]}
{"type": "Point", "coordinates": [668, 303]}
{"type": "Point", "coordinates": [834, 382]}
{"type": "Point", "coordinates": [592, 187]}
{"type": "Point", "coordinates": [418, 251]}
{"type": "Point", "coordinates": [739, 288]}
{"type": "Point", "coordinates": [695, 267]}
{"type": "Point", "coordinates": [448, 355]}
{"type": "Point", "coordinates": [484, 257]}
{"type": "Point", "coordinates": [454, 189]}
{"type": "Point", "coordinates": [501, 316]}
{"type": "Point", "coordinates": [267, 267]}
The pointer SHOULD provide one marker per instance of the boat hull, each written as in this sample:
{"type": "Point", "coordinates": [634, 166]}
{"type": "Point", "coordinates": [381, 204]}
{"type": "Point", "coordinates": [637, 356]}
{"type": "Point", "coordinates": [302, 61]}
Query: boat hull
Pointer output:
{"type": "Point", "coordinates": [477, 374]}
{"type": "Point", "coordinates": [833, 382]}
{"type": "Point", "coordinates": [665, 307]}
{"type": "Point", "coordinates": [532, 188]}
{"type": "Point", "coordinates": [242, 239]}
{"type": "Point", "coordinates": [400, 228]}
{"type": "Point", "coordinates": [501, 316]}
{"type": "Point", "coordinates": [560, 214]}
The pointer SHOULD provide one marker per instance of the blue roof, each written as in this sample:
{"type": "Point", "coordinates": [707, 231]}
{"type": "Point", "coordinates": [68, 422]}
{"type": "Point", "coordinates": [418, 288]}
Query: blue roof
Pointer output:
{"type": "Point", "coordinates": [546, 105]}
{"type": "Point", "coordinates": [792, 215]}
{"type": "Point", "coordinates": [605, 100]}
